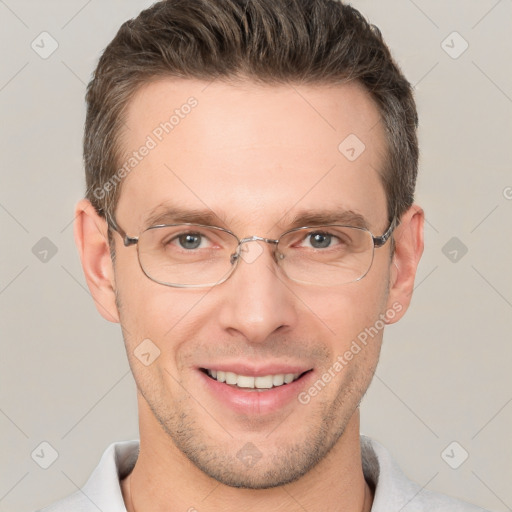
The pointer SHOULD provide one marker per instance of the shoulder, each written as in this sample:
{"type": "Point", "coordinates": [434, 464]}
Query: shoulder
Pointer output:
{"type": "Point", "coordinates": [394, 492]}
{"type": "Point", "coordinates": [102, 490]}
{"type": "Point", "coordinates": [77, 502]}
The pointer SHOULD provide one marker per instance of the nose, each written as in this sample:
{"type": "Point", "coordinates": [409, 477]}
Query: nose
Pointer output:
{"type": "Point", "coordinates": [256, 299]}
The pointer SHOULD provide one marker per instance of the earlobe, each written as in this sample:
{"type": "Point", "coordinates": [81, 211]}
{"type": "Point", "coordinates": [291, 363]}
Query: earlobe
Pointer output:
{"type": "Point", "coordinates": [91, 238]}
{"type": "Point", "coordinates": [408, 250]}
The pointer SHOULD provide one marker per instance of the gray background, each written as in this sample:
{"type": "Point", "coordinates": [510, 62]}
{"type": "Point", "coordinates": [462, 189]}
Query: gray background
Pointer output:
{"type": "Point", "coordinates": [444, 374]}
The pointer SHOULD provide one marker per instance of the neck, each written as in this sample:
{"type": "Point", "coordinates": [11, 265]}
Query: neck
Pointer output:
{"type": "Point", "coordinates": [164, 480]}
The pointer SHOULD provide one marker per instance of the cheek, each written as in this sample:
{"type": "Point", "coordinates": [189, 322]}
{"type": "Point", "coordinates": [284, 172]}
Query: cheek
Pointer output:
{"type": "Point", "coordinates": [157, 322]}
{"type": "Point", "coordinates": [150, 311]}
{"type": "Point", "coordinates": [348, 310]}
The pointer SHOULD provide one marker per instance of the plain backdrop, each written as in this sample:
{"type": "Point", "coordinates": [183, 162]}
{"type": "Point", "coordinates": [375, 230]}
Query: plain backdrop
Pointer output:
{"type": "Point", "coordinates": [443, 387]}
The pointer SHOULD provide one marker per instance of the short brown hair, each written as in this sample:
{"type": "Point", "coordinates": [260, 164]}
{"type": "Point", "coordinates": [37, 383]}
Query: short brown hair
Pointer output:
{"type": "Point", "coordinates": [314, 42]}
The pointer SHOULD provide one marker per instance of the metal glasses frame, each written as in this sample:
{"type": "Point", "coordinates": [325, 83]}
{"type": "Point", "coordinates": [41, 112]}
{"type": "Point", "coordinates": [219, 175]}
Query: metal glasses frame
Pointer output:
{"type": "Point", "coordinates": [378, 241]}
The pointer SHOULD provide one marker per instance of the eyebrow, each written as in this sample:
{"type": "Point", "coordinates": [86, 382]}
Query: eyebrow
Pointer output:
{"type": "Point", "coordinates": [326, 216]}
{"type": "Point", "coordinates": [168, 214]}
{"type": "Point", "coordinates": [171, 214]}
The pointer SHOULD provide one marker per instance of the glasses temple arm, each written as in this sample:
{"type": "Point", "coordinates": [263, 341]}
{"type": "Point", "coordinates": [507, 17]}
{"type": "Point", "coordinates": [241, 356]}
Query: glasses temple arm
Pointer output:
{"type": "Point", "coordinates": [112, 224]}
{"type": "Point", "coordinates": [379, 241]}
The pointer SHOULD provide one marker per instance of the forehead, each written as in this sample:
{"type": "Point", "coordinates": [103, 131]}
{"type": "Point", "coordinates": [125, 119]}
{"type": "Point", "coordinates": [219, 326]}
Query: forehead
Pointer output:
{"type": "Point", "coordinates": [252, 153]}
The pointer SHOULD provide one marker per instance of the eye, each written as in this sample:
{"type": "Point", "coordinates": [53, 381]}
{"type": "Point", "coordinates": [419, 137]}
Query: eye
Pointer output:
{"type": "Point", "coordinates": [190, 241]}
{"type": "Point", "coordinates": [320, 240]}
{"type": "Point", "coordinates": [323, 239]}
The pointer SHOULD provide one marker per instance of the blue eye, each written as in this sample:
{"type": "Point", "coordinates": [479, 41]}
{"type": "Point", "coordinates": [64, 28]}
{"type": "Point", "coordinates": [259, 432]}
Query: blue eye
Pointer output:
{"type": "Point", "coordinates": [190, 240]}
{"type": "Point", "coordinates": [320, 240]}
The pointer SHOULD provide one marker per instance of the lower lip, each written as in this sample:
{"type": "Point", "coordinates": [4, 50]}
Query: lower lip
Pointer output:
{"type": "Point", "coordinates": [254, 402]}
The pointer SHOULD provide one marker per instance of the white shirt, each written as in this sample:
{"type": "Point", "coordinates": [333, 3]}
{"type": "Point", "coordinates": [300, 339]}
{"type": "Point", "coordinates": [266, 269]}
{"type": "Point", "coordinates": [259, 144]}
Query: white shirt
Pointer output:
{"type": "Point", "coordinates": [394, 492]}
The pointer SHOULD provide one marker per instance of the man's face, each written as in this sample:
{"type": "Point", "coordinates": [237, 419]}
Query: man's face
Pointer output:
{"type": "Point", "coordinates": [256, 157]}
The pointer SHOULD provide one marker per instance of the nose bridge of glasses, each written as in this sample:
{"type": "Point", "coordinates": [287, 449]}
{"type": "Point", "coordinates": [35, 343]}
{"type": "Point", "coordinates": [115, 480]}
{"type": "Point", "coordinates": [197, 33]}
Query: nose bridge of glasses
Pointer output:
{"type": "Point", "coordinates": [250, 255]}
{"type": "Point", "coordinates": [257, 239]}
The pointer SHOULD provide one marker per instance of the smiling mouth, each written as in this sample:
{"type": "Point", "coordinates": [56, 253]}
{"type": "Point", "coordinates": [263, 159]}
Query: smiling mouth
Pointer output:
{"type": "Point", "coordinates": [248, 382]}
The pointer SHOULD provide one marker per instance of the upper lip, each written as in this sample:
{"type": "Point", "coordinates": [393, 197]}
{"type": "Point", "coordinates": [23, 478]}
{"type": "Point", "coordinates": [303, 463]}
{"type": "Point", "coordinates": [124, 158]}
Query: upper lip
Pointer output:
{"type": "Point", "coordinates": [252, 370]}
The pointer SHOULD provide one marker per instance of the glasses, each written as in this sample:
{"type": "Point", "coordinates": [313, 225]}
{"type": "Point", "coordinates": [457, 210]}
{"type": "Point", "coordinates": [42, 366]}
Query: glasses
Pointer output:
{"type": "Point", "coordinates": [196, 255]}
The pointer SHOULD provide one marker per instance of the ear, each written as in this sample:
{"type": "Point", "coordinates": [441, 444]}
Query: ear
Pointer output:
{"type": "Point", "coordinates": [408, 238]}
{"type": "Point", "coordinates": [91, 238]}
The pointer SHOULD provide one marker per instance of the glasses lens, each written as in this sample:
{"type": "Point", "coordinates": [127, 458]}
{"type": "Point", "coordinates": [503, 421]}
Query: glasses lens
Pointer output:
{"type": "Point", "coordinates": [326, 255]}
{"type": "Point", "coordinates": [186, 255]}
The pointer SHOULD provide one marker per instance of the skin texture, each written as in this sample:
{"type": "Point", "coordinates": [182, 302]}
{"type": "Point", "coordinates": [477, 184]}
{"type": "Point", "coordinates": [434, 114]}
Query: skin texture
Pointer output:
{"type": "Point", "coordinates": [254, 156]}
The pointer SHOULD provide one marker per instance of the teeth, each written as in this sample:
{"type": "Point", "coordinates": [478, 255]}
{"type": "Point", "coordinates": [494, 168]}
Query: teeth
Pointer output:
{"type": "Point", "coordinates": [231, 378]}
{"type": "Point", "coordinates": [246, 381]}
{"type": "Point", "coordinates": [243, 381]}
{"type": "Point", "coordinates": [278, 380]}
{"type": "Point", "coordinates": [263, 382]}
{"type": "Point", "coordinates": [289, 377]}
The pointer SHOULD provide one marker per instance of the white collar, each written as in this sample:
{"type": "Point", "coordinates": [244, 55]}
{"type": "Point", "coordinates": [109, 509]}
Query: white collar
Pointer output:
{"type": "Point", "coordinates": [393, 491]}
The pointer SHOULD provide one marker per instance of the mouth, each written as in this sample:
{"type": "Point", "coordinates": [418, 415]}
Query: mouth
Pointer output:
{"type": "Point", "coordinates": [251, 382]}
{"type": "Point", "coordinates": [265, 391]}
